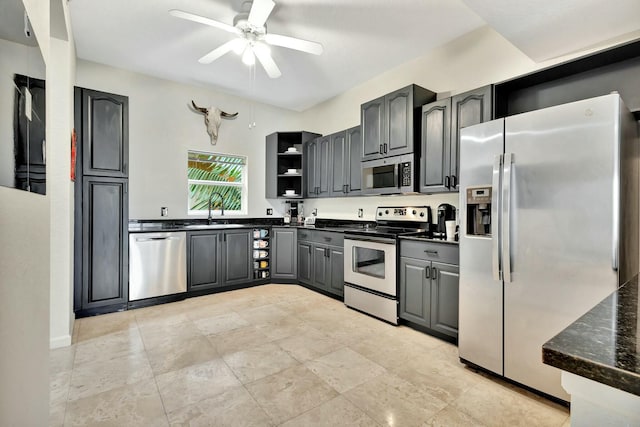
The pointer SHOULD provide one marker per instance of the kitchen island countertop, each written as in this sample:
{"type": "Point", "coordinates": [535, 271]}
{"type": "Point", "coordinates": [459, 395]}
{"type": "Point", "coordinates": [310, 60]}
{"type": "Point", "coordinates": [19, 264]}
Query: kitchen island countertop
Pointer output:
{"type": "Point", "coordinates": [604, 344]}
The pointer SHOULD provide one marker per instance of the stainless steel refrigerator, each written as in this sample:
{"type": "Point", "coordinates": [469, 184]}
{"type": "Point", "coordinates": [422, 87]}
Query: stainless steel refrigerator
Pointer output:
{"type": "Point", "coordinates": [548, 228]}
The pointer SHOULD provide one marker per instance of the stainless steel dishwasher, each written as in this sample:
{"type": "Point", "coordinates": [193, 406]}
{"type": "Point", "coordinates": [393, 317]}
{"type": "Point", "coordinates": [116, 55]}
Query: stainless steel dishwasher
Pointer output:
{"type": "Point", "coordinates": [157, 264]}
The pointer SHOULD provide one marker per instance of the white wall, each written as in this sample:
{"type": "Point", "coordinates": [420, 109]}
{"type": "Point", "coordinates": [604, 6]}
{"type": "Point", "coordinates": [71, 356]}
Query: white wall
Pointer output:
{"type": "Point", "coordinates": [476, 59]}
{"type": "Point", "coordinates": [60, 80]}
{"type": "Point", "coordinates": [24, 287]}
{"type": "Point", "coordinates": [162, 128]}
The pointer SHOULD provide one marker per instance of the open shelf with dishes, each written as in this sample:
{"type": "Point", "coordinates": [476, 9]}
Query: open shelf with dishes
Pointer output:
{"type": "Point", "coordinates": [261, 253]}
{"type": "Point", "coordinates": [285, 164]}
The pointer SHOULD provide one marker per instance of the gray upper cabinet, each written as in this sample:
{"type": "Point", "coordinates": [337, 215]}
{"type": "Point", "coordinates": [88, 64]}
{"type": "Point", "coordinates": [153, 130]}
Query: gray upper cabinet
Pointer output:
{"type": "Point", "coordinates": [285, 169]}
{"type": "Point", "coordinates": [435, 152]}
{"type": "Point", "coordinates": [204, 257]}
{"type": "Point", "coordinates": [467, 109]}
{"type": "Point", "coordinates": [284, 260]}
{"type": "Point", "coordinates": [346, 155]}
{"type": "Point", "coordinates": [105, 136]}
{"type": "Point", "coordinates": [317, 175]}
{"type": "Point", "coordinates": [354, 169]}
{"type": "Point", "coordinates": [309, 152]}
{"type": "Point", "coordinates": [391, 124]}
{"type": "Point", "coordinates": [323, 166]}
{"type": "Point", "coordinates": [372, 121]}
{"type": "Point", "coordinates": [236, 258]}
{"type": "Point", "coordinates": [339, 163]}
{"type": "Point", "coordinates": [440, 142]}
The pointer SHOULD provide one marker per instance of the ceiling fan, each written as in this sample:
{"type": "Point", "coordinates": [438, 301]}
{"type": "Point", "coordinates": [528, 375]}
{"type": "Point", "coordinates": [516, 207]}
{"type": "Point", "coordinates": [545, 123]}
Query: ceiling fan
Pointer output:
{"type": "Point", "coordinates": [253, 40]}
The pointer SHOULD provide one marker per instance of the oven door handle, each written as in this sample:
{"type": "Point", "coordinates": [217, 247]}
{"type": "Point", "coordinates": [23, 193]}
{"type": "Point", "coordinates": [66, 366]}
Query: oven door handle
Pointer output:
{"type": "Point", "coordinates": [371, 239]}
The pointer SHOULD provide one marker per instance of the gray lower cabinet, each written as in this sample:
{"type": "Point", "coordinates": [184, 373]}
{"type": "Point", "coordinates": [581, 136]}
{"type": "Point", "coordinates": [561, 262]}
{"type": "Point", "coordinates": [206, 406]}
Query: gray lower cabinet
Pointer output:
{"type": "Point", "coordinates": [445, 279]}
{"type": "Point", "coordinates": [105, 242]}
{"type": "Point", "coordinates": [321, 265]}
{"type": "Point", "coordinates": [218, 258]}
{"type": "Point", "coordinates": [204, 257]}
{"type": "Point", "coordinates": [428, 286]}
{"type": "Point", "coordinates": [236, 259]}
{"type": "Point", "coordinates": [336, 272]}
{"type": "Point", "coordinates": [284, 259]}
{"type": "Point", "coordinates": [305, 263]}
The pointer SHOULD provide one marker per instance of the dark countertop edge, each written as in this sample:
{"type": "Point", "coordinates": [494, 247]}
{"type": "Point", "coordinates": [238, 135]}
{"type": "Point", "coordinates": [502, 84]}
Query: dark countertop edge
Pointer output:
{"type": "Point", "coordinates": [559, 351]}
{"type": "Point", "coordinates": [592, 370]}
{"type": "Point", "coordinates": [430, 240]}
{"type": "Point", "coordinates": [158, 226]}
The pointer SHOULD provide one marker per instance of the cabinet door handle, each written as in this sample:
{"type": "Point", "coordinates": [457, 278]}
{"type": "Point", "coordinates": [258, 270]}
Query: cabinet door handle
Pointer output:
{"type": "Point", "coordinates": [381, 149]}
{"type": "Point", "coordinates": [385, 148]}
{"type": "Point", "coordinates": [427, 273]}
{"type": "Point", "coordinates": [327, 253]}
{"type": "Point", "coordinates": [447, 181]}
{"type": "Point", "coordinates": [434, 273]}
{"type": "Point", "coordinates": [454, 181]}
{"type": "Point", "coordinates": [309, 247]}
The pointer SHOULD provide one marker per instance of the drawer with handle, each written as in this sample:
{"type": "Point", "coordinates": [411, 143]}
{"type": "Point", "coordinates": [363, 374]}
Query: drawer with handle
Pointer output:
{"type": "Point", "coordinates": [328, 238]}
{"type": "Point", "coordinates": [431, 251]}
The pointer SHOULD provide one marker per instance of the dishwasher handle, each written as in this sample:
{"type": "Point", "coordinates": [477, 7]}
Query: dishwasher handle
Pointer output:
{"type": "Point", "coordinates": [151, 239]}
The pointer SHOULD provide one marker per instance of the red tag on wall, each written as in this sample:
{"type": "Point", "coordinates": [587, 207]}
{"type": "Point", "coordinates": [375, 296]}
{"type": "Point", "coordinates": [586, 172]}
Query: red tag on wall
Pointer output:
{"type": "Point", "coordinates": [74, 138]}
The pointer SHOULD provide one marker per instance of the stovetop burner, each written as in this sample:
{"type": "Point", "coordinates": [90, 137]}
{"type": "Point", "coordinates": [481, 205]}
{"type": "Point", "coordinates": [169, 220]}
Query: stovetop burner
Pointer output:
{"type": "Point", "coordinates": [392, 222]}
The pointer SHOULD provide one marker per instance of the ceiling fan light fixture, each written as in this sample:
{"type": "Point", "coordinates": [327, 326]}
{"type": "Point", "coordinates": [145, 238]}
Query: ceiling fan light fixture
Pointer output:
{"type": "Point", "coordinates": [248, 57]}
{"type": "Point", "coordinates": [240, 46]}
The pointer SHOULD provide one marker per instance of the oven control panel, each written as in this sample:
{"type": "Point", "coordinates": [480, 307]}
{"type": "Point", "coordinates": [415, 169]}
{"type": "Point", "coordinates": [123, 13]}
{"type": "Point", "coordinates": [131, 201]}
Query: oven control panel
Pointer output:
{"type": "Point", "coordinates": [404, 213]}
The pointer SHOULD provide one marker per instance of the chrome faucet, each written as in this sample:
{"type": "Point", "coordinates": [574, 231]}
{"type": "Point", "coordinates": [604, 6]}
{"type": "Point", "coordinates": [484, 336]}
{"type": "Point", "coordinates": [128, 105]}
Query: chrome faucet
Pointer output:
{"type": "Point", "coordinates": [215, 193]}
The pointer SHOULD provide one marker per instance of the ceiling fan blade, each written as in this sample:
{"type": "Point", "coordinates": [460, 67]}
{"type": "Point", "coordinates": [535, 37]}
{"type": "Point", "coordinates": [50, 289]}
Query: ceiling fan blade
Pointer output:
{"type": "Point", "coordinates": [202, 20]}
{"type": "Point", "coordinates": [264, 56]}
{"type": "Point", "coordinates": [219, 51]}
{"type": "Point", "coordinates": [294, 43]}
{"type": "Point", "coordinates": [260, 11]}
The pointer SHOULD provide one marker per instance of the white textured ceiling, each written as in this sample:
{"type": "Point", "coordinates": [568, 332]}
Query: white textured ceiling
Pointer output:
{"type": "Point", "coordinates": [545, 29]}
{"type": "Point", "coordinates": [361, 38]}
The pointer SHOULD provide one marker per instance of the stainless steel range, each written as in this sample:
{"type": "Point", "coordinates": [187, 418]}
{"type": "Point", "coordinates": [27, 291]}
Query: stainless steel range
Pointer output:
{"type": "Point", "coordinates": [370, 259]}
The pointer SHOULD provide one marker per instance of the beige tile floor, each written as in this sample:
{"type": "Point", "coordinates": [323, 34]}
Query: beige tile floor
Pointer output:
{"type": "Point", "coordinates": [268, 356]}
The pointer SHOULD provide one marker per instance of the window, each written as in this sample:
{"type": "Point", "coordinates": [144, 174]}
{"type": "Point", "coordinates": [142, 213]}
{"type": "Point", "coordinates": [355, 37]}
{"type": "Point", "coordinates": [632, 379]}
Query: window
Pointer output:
{"type": "Point", "coordinates": [209, 173]}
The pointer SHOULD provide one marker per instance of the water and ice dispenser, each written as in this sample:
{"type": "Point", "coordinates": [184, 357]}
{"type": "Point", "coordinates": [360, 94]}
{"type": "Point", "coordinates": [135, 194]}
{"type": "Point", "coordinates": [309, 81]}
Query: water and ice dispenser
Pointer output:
{"type": "Point", "coordinates": [479, 211]}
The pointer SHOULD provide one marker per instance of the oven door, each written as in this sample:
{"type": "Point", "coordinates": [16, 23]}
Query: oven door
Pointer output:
{"type": "Point", "coordinates": [371, 263]}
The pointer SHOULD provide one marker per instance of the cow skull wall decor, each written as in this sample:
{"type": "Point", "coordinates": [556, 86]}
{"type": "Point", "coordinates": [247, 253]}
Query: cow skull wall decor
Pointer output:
{"type": "Point", "coordinates": [212, 118]}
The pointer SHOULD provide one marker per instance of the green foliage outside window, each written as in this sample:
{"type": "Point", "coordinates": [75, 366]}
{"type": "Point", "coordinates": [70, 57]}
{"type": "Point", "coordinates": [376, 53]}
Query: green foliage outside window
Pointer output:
{"type": "Point", "coordinates": [210, 173]}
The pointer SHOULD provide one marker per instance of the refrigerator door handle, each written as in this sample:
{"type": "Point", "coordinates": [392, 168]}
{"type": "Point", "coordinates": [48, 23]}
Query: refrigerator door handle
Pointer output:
{"type": "Point", "coordinates": [616, 220]}
{"type": "Point", "coordinates": [495, 215]}
{"type": "Point", "coordinates": [506, 217]}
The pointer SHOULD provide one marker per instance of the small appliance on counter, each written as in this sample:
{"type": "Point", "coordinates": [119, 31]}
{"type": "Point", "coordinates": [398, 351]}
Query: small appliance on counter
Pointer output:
{"type": "Point", "coordinates": [293, 213]}
{"type": "Point", "coordinates": [446, 212]}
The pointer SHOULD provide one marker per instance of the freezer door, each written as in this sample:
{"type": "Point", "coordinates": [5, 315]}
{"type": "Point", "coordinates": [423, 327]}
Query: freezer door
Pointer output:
{"type": "Point", "coordinates": [480, 311]}
{"type": "Point", "coordinates": [561, 209]}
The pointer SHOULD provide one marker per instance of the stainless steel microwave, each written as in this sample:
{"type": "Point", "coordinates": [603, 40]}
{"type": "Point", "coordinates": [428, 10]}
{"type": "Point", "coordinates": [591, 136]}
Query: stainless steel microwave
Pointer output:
{"type": "Point", "coordinates": [391, 175]}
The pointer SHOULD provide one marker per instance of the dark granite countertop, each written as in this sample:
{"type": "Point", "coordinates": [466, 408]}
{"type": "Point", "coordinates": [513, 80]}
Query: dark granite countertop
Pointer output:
{"type": "Point", "coordinates": [604, 344]}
